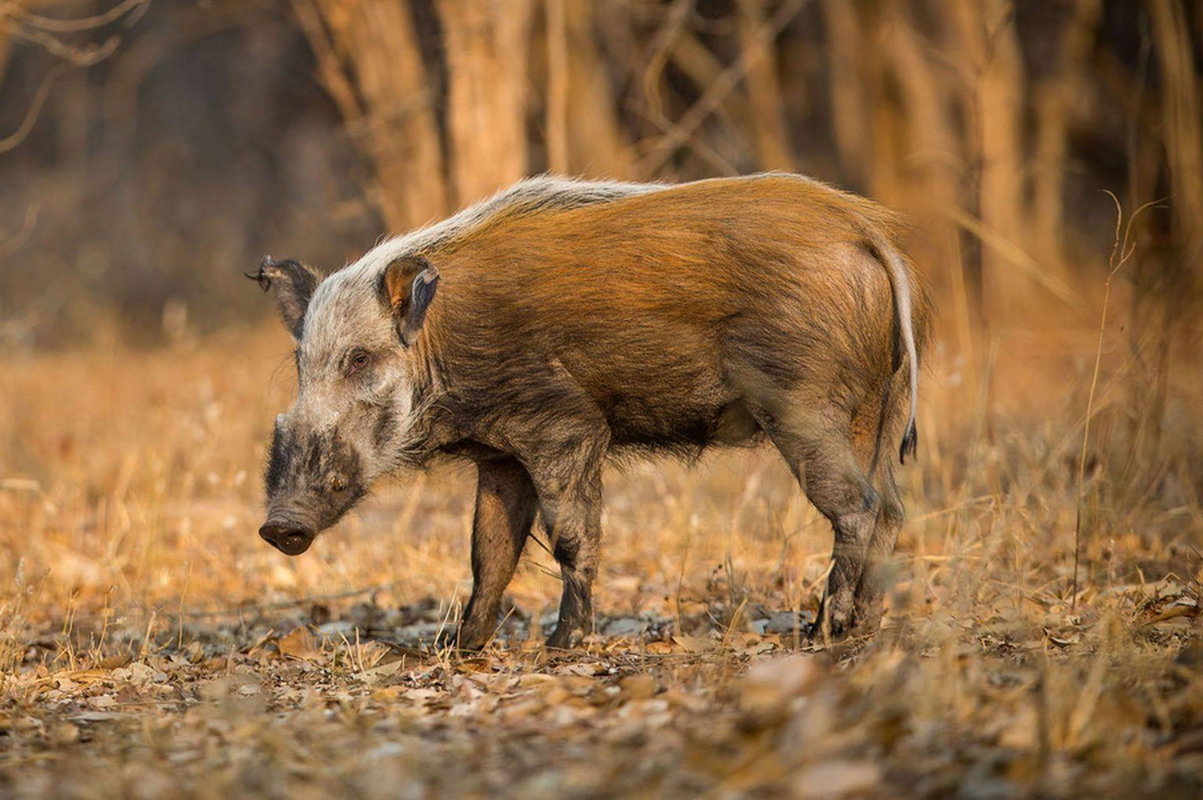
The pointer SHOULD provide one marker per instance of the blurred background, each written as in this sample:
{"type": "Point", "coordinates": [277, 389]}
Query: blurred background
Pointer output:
{"type": "Point", "coordinates": [1048, 581]}
{"type": "Point", "coordinates": [152, 150]}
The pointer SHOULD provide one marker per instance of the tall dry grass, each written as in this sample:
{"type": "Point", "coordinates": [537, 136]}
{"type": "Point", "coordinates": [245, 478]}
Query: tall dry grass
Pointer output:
{"type": "Point", "coordinates": [128, 508]}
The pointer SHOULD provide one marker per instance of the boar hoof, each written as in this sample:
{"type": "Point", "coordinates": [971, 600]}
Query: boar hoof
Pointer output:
{"type": "Point", "coordinates": [829, 627]}
{"type": "Point", "coordinates": [460, 640]}
{"type": "Point", "coordinates": [565, 638]}
{"type": "Point", "coordinates": [867, 621]}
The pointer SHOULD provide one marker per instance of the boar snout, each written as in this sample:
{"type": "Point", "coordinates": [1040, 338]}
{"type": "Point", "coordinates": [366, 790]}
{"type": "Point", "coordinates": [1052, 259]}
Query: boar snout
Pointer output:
{"type": "Point", "coordinates": [289, 539]}
{"type": "Point", "coordinates": [313, 478]}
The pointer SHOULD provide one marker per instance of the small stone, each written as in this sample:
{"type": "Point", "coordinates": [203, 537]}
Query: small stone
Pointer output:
{"type": "Point", "coordinates": [625, 626]}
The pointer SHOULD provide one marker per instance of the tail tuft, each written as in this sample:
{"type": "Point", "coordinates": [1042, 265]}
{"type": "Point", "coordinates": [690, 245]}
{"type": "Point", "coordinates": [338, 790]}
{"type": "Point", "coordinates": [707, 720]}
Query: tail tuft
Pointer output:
{"type": "Point", "coordinates": [910, 442]}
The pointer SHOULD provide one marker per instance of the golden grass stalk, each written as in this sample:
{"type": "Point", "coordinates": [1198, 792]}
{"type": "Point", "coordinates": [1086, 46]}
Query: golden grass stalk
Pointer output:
{"type": "Point", "coordinates": [1121, 251]}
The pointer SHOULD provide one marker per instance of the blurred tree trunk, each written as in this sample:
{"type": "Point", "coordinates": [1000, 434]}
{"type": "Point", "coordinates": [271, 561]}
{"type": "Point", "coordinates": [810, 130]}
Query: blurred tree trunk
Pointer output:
{"type": "Point", "coordinates": [1182, 134]}
{"type": "Point", "coordinates": [987, 44]}
{"type": "Point", "coordinates": [1182, 125]}
{"type": "Point", "coordinates": [1054, 102]}
{"type": "Point", "coordinates": [370, 63]}
{"type": "Point", "coordinates": [931, 156]}
{"type": "Point", "coordinates": [583, 135]}
{"type": "Point", "coordinates": [556, 115]}
{"type": "Point", "coordinates": [487, 43]}
{"type": "Point", "coordinates": [847, 89]}
{"type": "Point", "coordinates": [5, 45]}
{"type": "Point", "coordinates": [886, 116]}
{"type": "Point", "coordinates": [764, 91]}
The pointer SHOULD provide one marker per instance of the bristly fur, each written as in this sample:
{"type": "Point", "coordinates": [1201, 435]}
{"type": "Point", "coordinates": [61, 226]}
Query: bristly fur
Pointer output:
{"type": "Point", "coordinates": [910, 442]}
{"type": "Point", "coordinates": [575, 322]}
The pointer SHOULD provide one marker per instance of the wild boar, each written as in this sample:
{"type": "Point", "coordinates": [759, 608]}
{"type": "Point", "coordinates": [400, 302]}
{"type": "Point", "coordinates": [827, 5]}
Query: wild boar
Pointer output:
{"type": "Point", "coordinates": [561, 323]}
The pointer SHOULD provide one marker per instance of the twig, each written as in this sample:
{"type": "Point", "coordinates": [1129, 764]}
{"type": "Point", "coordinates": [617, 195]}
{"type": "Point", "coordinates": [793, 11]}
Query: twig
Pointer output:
{"type": "Point", "coordinates": [14, 139]}
{"type": "Point", "coordinates": [658, 51]}
{"type": "Point", "coordinates": [331, 70]}
{"type": "Point", "coordinates": [10, 245]}
{"type": "Point", "coordinates": [702, 150]}
{"type": "Point", "coordinates": [79, 56]}
{"type": "Point", "coordinates": [723, 85]}
{"type": "Point", "coordinates": [24, 26]}
{"type": "Point", "coordinates": [70, 25]}
{"type": "Point", "coordinates": [1121, 250]}
{"type": "Point", "coordinates": [1014, 254]}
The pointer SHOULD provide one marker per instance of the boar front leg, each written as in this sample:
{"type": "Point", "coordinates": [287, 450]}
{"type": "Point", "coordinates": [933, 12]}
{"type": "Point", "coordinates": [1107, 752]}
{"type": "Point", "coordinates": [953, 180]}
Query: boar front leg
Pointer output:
{"type": "Point", "coordinates": [505, 510]}
{"type": "Point", "coordinates": [570, 497]}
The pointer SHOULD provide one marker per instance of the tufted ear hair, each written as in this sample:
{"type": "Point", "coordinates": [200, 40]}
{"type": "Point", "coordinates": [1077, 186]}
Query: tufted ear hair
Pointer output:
{"type": "Point", "coordinates": [294, 283]}
{"type": "Point", "coordinates": [407, 288]}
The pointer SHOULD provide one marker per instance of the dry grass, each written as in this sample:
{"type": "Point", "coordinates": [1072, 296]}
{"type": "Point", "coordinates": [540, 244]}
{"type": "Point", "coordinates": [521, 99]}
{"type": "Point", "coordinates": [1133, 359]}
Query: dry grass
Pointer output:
{"type": "Point", "coordinates": [151, 644]}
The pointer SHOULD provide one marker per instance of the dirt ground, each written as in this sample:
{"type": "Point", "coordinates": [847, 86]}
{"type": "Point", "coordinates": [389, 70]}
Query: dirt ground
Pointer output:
{"type": "Point", "coordinates": [152, 645]}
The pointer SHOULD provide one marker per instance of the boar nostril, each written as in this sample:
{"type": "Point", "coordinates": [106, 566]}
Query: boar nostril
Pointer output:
{"type": "Point", "coordinates": [288, 539]}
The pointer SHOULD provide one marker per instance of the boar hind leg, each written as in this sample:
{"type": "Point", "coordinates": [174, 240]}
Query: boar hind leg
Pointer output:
{"type": "Point", "coordinates": [505, 511]}
{"type": "Point", "coordinates": [828, 471]}
{"type": "Point", "coordinates": [869, 593]}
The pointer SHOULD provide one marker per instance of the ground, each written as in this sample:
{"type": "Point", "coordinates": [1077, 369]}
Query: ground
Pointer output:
{"type": "Point", "coordinates": [152, 645]}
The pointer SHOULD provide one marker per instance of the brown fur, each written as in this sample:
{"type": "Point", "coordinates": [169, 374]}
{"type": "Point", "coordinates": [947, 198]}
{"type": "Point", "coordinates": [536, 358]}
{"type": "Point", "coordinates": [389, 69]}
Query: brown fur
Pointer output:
{"type": "Point", "coordinates": [672, 320]}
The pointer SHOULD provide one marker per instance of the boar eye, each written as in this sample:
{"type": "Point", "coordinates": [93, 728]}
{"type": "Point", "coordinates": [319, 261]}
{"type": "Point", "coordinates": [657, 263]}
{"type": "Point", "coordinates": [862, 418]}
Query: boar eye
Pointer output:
{"type": "Point", "coordinates": [357, 361]}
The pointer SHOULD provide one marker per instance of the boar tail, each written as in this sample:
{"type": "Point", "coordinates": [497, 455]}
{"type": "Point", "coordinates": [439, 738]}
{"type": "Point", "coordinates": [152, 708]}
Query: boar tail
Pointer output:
{"type": "Point", "coordinates": [900, 280]}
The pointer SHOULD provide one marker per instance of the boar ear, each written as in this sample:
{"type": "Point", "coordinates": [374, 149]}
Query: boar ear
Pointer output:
{"type": "Point", "coordinates": [294, 283]}
{"type": "Point", "coordinates": [407, 287]}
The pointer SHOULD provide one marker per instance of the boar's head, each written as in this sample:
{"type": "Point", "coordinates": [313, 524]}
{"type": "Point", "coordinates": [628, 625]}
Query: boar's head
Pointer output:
{"type": "Point", "coordinates": [353, 419]}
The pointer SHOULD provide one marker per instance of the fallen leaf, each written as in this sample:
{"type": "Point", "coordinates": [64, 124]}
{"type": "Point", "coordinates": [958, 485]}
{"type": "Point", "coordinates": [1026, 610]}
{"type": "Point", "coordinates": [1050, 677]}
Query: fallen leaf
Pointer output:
{"type": "Point", "coordinates": [836, 779]}
{"type": "Point", "coordinates": [298, 644]}
{"type": "Point", "coordinates": [694, 644]}
{"type": "Point", "coordinates": [638, 687]}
